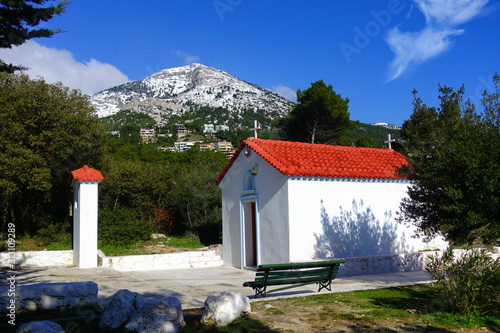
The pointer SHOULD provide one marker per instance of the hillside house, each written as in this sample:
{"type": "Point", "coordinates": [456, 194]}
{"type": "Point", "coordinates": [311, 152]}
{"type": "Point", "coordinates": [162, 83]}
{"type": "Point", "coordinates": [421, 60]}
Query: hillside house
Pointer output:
{"type": "Point", "coordinates": [291, 202]}
{"type": "Point", "coordinates": [206, 146]}
{"type": "Point", "coordinates": [147, 135]}
{"type": "Point", "coordinates": [208, 129]}
{"type": "Point", "coordinates": [221, 128]}
{"type": "Point", "coordinates": [225, 147]}
{"type": "Point", "coordinates": [182, 146]}
{"type": "Point", "coordinates": [180, 130]}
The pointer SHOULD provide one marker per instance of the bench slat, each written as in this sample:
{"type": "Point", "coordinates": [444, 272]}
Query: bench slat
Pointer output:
{"type": "Point", "coordinates": [294, 276]}
{"type": "Point", "coordinates": [299, 265]}
{"type": "Point", "coordinates": [286, 280]}
{"type": "Point", "coordinates": [303, 272]}
{"type": "Point", "coordinates": [297, 280]}
{"type": "Point", "coordinates": [298, 272]}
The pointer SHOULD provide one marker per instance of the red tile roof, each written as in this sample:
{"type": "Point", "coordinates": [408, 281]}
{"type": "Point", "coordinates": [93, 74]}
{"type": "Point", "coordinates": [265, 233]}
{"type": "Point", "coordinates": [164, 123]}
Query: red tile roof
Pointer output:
{"type": "Point", "coordinates": [317, 160]}
{"type": "Point", "coordinates": [86, 174]}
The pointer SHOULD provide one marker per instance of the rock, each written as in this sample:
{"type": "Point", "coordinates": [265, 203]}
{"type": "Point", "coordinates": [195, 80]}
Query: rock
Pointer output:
{"type": "Point", "coordinates": [159, 315]}
{"type": "Point", "coordinates": [119, 307]}
{"type": "Point", "coordinates": [225, 307]}
{"type": "Point", "coordinates": [43, 326]}
{"type": "Point", "coordinates": [156, 236]}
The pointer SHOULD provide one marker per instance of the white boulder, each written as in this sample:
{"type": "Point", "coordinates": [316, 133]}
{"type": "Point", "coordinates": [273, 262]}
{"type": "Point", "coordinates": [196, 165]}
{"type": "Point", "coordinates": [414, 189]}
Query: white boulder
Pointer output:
{"type": "Point", "coordinates": [158, 315]}
{"type": "Point", "coordinates": [119, 307]}
{"type": "Point", "coordinates": [225, 307]}
{"type": "Point", "coordinates": [43, 326]}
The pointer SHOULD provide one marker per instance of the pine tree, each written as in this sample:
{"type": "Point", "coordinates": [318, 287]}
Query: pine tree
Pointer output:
{"type": "Point", "coordinates": [19, 21]}
{"type": "Point", "coordinates": [320, 116]}
{"type": "Point", "coordinates": [453, 155]}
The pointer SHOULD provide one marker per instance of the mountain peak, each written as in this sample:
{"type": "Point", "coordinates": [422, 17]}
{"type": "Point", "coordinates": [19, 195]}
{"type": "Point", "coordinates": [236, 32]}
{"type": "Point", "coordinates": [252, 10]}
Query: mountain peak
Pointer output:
{"type": "Point", "coordinates": [175, 90]}
{"type": "Point", "coordinates": [386, 125]}
{"type": "Point", "coordinates": [190, 67]}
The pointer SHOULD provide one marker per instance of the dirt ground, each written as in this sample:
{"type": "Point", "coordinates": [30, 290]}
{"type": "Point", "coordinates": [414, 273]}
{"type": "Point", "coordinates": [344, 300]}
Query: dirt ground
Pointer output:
{"type": "Point", "coordinates": [315, 319]}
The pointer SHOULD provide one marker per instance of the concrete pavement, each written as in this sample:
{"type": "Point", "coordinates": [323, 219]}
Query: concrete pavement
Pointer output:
{"type": "Point", "coordinates": [193, 285]}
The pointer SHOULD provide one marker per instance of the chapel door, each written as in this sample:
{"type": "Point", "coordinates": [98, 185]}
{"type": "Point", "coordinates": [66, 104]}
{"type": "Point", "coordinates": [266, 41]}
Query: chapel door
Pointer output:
{"type": "Point", "coordinates": [250, 245]}
{"type": "Point", "coordinates": [254, 234]}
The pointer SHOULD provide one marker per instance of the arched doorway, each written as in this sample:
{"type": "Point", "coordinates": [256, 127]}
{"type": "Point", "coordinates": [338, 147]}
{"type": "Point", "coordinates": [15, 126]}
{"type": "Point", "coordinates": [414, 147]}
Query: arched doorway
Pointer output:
{"type": "Point", "coordinates": [249, 223]}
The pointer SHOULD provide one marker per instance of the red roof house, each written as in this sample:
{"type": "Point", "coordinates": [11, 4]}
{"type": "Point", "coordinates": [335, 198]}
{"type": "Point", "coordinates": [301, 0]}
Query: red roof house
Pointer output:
{"type": "Point", "coordinates": [291, 201]}
{"type": "Point", "coordinates": [301, 159]}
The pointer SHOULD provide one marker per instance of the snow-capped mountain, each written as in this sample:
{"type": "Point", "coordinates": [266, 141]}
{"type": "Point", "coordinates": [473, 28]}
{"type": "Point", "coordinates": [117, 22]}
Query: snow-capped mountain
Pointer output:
{"type": "Point", "coordinates": [386, 125]}
{"type": "Point", "coordinates": [174, 90]}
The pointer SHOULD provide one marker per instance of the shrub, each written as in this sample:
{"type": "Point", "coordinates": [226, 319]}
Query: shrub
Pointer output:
{"type": "Point", "coordinates": [163, 220]}
{"type": "Point", "coordinates": [50, 233]}
{"type": "Point", "coordinates": [121, 226]}
{"type": "Point", "coordinates": [471, 281]}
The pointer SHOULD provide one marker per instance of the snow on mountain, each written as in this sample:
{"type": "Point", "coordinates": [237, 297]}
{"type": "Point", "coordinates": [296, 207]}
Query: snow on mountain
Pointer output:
{"type": "Point", "coordinates": [174, 90]}
{"type": "Point", "coordinates": [386, 125]}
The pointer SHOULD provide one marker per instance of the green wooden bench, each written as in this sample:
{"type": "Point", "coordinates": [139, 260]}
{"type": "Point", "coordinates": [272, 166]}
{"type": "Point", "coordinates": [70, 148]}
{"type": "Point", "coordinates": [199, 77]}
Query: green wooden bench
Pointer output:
{"type": "Point", "coordinates": [295, 275]}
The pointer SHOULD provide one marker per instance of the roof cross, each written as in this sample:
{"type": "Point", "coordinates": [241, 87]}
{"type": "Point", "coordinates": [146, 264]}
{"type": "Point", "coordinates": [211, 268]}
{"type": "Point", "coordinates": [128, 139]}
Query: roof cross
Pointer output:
{"type": "Point", "coordinates": [389, 140]}
{"type": "Point", "coordinates": [256, 127]}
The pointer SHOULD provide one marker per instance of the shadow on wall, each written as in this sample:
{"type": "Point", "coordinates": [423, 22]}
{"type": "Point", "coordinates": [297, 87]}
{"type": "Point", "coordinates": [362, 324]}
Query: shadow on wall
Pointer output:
{"type": "Point", "coordinates": [357, 233]}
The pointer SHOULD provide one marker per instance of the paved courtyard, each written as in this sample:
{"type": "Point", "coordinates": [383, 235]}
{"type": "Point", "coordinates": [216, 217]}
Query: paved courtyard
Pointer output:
{"type": "Point", "coordinates": [192, 286]}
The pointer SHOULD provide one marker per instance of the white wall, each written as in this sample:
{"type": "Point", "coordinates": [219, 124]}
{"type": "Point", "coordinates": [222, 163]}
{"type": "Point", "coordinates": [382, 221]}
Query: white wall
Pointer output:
{"type": "Point", "coordinates": [333, 218]}
{"type": "Point", "coordinates": [231, 192]}
{"type": "Point", "coordinates": [272, 204]}
{"type": "Point", "coordinates": [37, 258]}
{"type": "Point", "coordinates": [272, 189]}
{"type": "Point", "coordinates": [85, 224]}
{"type": "Point", "coordinates": [231, 224]}
{"type": "Point", "coordinates": [76, 222]}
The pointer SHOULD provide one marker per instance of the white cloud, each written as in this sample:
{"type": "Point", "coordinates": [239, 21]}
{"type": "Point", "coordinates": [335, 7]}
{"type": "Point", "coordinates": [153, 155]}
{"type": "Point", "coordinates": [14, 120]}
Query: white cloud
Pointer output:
{"type": "Point", "coordinates": [56, 65]}
{"type": "Point", "coordinates": [188, 59]}
{"type": "Point", "coordinates": [442, 18]}
{"type": "Point", "coordinates": [413, 48]}
{"type": "Point", "coordinates": [286, 92]}
{"type": "Point", "coordinates": [450, 12]}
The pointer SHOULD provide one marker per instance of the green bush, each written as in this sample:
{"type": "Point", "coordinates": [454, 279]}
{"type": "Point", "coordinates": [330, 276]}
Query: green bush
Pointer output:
{"type": "Point", "coordinates": [471, 281]}
{"type": "Point", "coordinates": [122, 226]}
{"type": "Point", "coordinates": [50, 233]}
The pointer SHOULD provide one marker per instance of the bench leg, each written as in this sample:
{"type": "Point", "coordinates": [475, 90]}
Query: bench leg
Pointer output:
{"type": "Point", "coordinates": [260, 291]}
{"type": "Point", "coordinates": [325, 285]}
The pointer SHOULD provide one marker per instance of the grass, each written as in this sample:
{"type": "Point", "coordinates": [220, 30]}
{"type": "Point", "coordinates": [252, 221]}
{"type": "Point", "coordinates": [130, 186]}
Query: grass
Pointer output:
{"type": "Point", "coordinates": [63, 242]}
{"type": "Point", "coordinates": [189, 242]}
{"type": "Point", "coordinates": [58, 243]}
{"type": "Point", "coordinates": [246, 324]}
{"type": "Point", "coordinates": [378, 310]}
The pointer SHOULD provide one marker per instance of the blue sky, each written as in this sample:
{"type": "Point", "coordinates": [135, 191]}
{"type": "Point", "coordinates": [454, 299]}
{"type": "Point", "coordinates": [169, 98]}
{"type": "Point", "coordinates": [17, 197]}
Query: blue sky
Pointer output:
{"type": "Point", "coordinates": [372, 52]}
